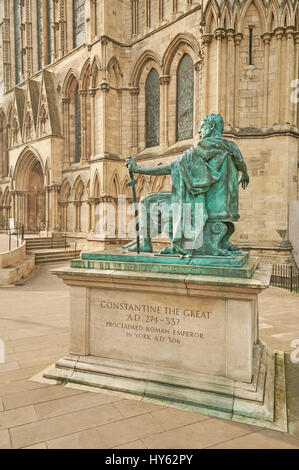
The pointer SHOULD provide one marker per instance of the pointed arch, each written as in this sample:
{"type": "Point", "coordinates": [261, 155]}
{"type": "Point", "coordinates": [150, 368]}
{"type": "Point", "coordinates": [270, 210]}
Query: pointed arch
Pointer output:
{"type": "Point", "coordinates": [143, 186]}
{"type": "Point", "coordinates": [272, 17]}
{"type": "Point", "coordinates": [285, 19]}
{"type": "Point", "coordinates": [85, 76]}
{"type": "Point", "coordinates": [210, 16]}
{"type": "Point", "coordinates": [142, 61]}
{"type": "Point", "coordinates": [71, 76]}
{"type": "Point", "coordinates": [96, 185]}
{"type": "Point", "coordinates": [261, 11]}
{"type": "Point", "coordinates": [79, 187]}
{"type": "Point", "coordinates": [27, 159]}
{"type": "Point", "coordinates": [226, 18]}
{"type": "Point", "coordinates": [114, 190]}
{"type": "Point", "coordinates": [114, 71]}
{"type": "Point", "coordinates": [125, 190]}
{"type": "Point", "coordinates": [94, 71]}
{"type": "Point", "coordinates": [179, 42]}
{"type": "Point", "coordinates": [65, 189]}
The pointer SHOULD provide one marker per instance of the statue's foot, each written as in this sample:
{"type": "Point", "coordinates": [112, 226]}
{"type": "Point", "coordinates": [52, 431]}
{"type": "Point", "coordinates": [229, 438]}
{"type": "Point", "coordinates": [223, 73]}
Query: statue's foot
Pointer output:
{"type": "Point", "coordinates": [169, 250]}
{"type": "Point", "coordinates": [128, 245]}
{"type": "Point", "coordinates": [225, 253]}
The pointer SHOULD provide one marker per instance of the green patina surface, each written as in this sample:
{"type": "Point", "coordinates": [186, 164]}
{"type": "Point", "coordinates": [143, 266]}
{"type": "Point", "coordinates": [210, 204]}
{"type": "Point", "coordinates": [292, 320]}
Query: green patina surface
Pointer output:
{"type": "Point", "coordinates": [199, 212]}
{"type": "Point", "coordinates": [240, 266]}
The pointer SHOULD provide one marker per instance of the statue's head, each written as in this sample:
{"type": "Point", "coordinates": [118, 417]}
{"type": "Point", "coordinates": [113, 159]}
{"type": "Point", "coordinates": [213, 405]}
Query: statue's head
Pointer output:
{"type": "Point", "coordinates": [212, 124]}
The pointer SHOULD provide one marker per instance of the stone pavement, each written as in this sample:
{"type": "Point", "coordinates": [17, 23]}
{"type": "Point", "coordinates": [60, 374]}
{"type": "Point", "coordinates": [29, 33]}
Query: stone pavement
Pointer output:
{"type": "Point", "coordinates": [34, 327]}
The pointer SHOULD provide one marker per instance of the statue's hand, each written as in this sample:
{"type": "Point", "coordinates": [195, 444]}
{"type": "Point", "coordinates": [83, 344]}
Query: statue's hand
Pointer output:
{"type": "Point", "coordinates": [244, 180]}
{"type": "Point", "coordinates": [132, 165]}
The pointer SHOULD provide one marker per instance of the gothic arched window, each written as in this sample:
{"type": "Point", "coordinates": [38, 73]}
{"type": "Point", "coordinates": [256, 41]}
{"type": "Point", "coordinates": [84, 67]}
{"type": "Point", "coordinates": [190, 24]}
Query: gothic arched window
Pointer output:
{"type": "Point", "coordinates": [152, 109]}
{"type": "Point", "coordinates": [78, 21]}
{"type": "Point", "coordinates": [185, 98]}
{"type": "Point", "coordinates": [17, 28]}
{"type": "Point", "coordinates": [77, 125]}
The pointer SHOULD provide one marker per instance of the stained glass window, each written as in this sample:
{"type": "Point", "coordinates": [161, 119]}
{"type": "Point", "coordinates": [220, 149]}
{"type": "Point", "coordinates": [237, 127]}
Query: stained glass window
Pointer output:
{"type": "Point", "coordinates": [40, 33]}
{"type": "Point", "coordinates": [77, 126]}
{"type": "Point", "coordinates": [152, 109]}
{"type": "Point", "coordinates": [18, 52]}
{"type": "Point", "coordinates": [185, 97]}
{"type": "Point", "coordinates": [50, 32]}
{"type": "Point", "coordinates": [79, 21]}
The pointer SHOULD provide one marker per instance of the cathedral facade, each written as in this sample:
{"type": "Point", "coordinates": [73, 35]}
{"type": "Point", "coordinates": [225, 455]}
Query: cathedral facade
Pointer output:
{"type": "Point", "coordinates": [87, 83]}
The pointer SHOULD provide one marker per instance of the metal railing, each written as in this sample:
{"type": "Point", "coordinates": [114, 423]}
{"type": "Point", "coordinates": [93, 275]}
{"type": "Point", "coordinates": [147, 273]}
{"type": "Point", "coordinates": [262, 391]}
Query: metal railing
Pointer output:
{"type": "Point", "coordinates": [285, 276]}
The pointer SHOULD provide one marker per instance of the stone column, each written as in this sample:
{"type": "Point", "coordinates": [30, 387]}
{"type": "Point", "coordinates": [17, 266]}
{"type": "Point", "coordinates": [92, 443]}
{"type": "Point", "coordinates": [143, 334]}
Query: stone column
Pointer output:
{"type": "Point", "coordinates": [230, 76]}
{"type": "Point", "coordinates": [219, 35]}
{"type": "Point", "coordinates": [266, 38]}
{"type": "Point", "coordinates": [62, 29]}
{"type": "Point", "coordinates": [53, 206]}
{"type": "Point", "coordinates": [134, 18]}
{"type": "Point", "coordinates": [237, 38]}
{"type": "Point", "coordinates": [28, 40]}
{"type": "Point", "coordinates": [279, 32]}
{"type": "Point", "coordinates": [134, 93]}
{"type": "Point", "coordinates": [105, 89]}
{"type": "Point", "coordinates": [161, 11]}
{"type": "Point", "coordinates": [6, 47]}
{"type": "Point", "coordinates": [164, 82]}
{"type": "Point", "coordinates": [47, 190]}
{"type": "Point", "coordinates": [206, 39]}
{"type": "Point", "coordinates": [290, 64]}
{"type": "Point", "coordinates": [83, 101]}
{"type": "Point", "coordinates": [295, 111]}
{"type": "Point", "coordinates": [92, 94]}
{"type": "Point", "coordinates": [78, 215]}
{"type": "Point", "coordinates": [66, 111]}
{"type": "Point", "coordinates": [174, 8]}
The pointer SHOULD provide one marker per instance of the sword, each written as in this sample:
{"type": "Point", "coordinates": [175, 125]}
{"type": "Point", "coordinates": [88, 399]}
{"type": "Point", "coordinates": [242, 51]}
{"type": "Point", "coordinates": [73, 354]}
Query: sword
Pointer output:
{"type": "Point", "coordinates": [132, 183]}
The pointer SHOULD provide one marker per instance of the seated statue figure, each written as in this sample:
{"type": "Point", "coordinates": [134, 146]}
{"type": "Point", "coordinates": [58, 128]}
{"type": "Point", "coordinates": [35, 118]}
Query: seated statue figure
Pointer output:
{"type": "Point", "coordinates": [199, 212]}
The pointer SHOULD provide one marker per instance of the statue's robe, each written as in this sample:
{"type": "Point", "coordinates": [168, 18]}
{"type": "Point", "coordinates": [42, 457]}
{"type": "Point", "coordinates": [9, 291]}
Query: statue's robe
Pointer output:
{"type": "Point", "coordinates": [206, 177]}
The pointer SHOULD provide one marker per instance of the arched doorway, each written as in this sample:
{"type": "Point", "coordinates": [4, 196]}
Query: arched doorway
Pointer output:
{"type": "Point", "coordinates": [30, 203]}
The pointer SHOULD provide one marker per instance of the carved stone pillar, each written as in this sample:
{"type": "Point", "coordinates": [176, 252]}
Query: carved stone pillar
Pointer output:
{"type": "Point", "coordinates": [290, 63]}
{"type": "Point", "coordinates": [206, 39]}
{"type": "Point", "coordinates": [66, 110]}
{"type": "Point", "coordinates": [92, 94]}
{"type": "Point", "coordinates": [279, 32]}
{"type": "Point", "coordinates": [219, 35]}
{"type": "Point", "coordinates": [266, 38]}
{"type": "Point", "coordinates": [237, 38]}
{"type": "Point", "coordinates": [295, 107]}
{"type": "Point", "coordinates": [230, 76]}
{"type": "Point", "coordinates": [28, 51]}
{"type": "Point", "coordinates": [54, 190]}
{"type": "Point", "coordinates": [78, 204]}
{"type": "Point", "coordinates": [164, 82]}
{"type": "Point", "coordinates": [134, 18]}
{"type": "Point", "coordinates": [63, 28]}
{"type": "Point", "coordinates": [83, 101]}
{"type": "Point", "coordinates": [104, 87]}
{"type": "Point", "coordinates": [6, 47]}
{"type": "Point", "coordinates": [134, 93]}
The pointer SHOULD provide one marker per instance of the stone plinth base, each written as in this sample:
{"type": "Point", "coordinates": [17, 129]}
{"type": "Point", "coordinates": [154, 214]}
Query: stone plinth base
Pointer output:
{"type": "Point", "coordinates": [184, 340]}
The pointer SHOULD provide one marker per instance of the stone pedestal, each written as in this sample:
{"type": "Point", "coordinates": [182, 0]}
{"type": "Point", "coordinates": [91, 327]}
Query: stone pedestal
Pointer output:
{"type": "Point", "coordinates": [188, 340]}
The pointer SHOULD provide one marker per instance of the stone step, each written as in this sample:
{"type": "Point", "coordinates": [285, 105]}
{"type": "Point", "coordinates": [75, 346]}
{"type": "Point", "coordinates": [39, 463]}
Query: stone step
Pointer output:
{"type": "Point", "coordinates": [44, 257]}
{"type": "Point", "coordinates": [219, 397]}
